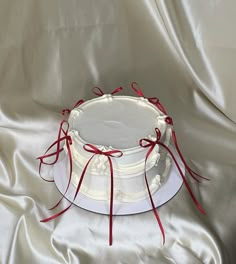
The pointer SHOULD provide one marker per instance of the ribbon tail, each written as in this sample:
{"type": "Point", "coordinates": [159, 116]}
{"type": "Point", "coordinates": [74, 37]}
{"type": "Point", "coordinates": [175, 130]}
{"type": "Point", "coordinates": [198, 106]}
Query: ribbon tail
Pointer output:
{"type": "Point", "coordinates": [151, 200]}
{"type": "Point", "coordinates": [82, 177]}
{"type": "Point", "coordinates": [111, 203]}
{"type": "Point", "coordinates": [155, 211]}
{"type": "Point", "coordinates": [56, 215]}
{"type": "Point", "coordinates": [184, 179]}
{"type": "Point", "coordinates": [57, 203]}
{"type": "Point", "coordinates": [70, 176]}
{"type": "Point", "coordinates": [191, 172]}
{"type": "Point", "coordinates": [77, 190]}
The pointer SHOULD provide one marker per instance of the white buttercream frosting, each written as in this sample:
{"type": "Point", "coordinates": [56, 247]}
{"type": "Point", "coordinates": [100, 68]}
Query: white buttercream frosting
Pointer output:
{"type": "Point", "coordinates": [118, 123]}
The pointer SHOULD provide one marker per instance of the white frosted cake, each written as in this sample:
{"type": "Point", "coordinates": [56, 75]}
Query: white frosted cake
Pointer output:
{"type": "Point", "coordinates": [118, 123]}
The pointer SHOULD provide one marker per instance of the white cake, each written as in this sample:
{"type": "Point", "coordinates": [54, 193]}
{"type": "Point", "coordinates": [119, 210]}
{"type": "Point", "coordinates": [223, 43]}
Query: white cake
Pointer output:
{"type": "Point", "coordinates": [118, 123]}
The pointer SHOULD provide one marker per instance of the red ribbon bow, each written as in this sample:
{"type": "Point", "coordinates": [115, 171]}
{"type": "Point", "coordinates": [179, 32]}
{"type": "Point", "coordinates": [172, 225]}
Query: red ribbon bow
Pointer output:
{"type": "Point", "coordinates": [151, 144]}
{"type": "Point", "coordinates": [152, 100]}
{"type": "Point", "coordinates": [62, 136]}
{"type": "Point", "coordinates": [99, 92]}
{"type": "Point", "coordinates": [109, 154]}
{"type": "Point", "coordinates": [67, 111]}
{"type": "Point", "coordinates": [147, 143]}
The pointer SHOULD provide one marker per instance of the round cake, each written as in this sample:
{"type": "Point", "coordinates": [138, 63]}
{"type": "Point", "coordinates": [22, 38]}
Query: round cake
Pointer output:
{"type": "Point", "coordinates": [116, 124]}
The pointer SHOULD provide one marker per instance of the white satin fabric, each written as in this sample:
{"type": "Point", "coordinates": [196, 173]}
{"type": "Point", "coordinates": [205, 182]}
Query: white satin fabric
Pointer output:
{"type": "Point", "coordinates": [51, 54]}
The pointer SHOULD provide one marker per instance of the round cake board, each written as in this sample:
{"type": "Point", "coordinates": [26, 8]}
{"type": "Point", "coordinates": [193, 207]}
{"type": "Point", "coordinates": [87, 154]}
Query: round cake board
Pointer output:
{"type": "Point", "coordinates": [167, 191]}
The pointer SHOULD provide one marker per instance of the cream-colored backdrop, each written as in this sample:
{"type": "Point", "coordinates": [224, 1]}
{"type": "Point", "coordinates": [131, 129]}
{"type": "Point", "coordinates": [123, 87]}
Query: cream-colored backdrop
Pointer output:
{"type": "Point", "coordinates": [51, 54]}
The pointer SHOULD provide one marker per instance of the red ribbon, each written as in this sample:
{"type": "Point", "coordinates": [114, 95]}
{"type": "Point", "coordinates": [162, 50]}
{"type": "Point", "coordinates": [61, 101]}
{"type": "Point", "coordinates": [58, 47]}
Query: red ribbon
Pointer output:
{"type": "Point", "coordinates": [152, 100]}
{"type": "Point", "coordinates": [147, 143]}
{"type": "Point", "coordinates": [67, 111]}
{"type": "Point", "coordinates": [109, 154]}
{"type": "Point", "coordinates": [151, 144]}
{"type": "Point", "coordinates": [169, 121]}
{"type": "Point", "coordinates": [99, 92]}
{"type": "Point", "coordinates": [62, 136]}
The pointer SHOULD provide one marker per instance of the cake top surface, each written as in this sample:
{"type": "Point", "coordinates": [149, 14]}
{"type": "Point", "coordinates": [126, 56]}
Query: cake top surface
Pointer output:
{"type": "Point", "coordinates": [116, 121]}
